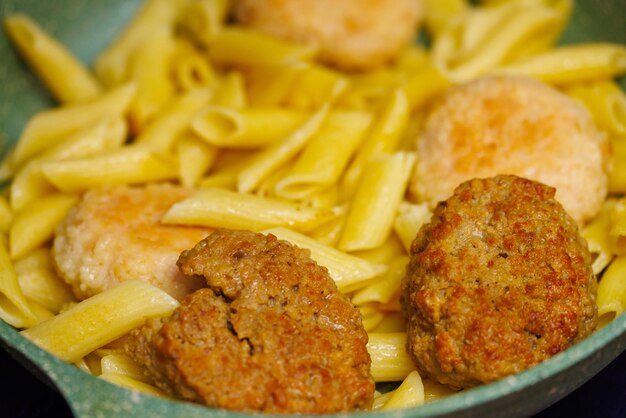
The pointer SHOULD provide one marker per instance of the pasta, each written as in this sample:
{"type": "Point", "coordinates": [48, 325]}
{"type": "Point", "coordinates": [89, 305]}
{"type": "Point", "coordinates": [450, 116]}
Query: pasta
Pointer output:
{"type": "Point", "coordinates": [271, 140]}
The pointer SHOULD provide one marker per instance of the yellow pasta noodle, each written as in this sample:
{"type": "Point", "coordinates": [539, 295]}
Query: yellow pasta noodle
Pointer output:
{"type": "Point", "coordinates": [195, 157]}
{"type": "Point", "coordinates": [222, 208]}
{"type": "Point", "coordinates": [385, 287]}
{"type": "Point", "coordinates": [39, 282]}
{"type": "Point", "coordinates": [231, 91]}
{"type": "Point", "coordinates": [376, 199]}
{"type": "Point", "coordinates": [133, 384]}
{"type": "Point", "coordinates": [64, 75]}
{"type": "Point", "coordinates": [192, 69]}
{"type": "Point", "coordinates": [606, 102]}
{"type": "Point", "coordinates": [325, 156]}
{"type": "Point", "coordinates": [617, 175]}
{"type": "Point", "coordinates": [611, 298]}
{"type": "Point", "coordinates": [100, 319]}
{"type": "Point", "coordinates": [345, 269]}
{"type": "Point", "coordinates": [129, 165]}
{"type": "Point", "coordinates": [35, 224]}
{"type": "Point", "coordinates": [14, 308]}
{"type": "Point", "coordinates": [409, 220]}
{"type": "Point", "coordinates": [46, 128]}
{"type": "Point", "coordinates": [597, 234]}
{"type": "Point", "coordinates": [250, 127]}
{"type": "Point", "coordinates": [390, 361]}
{"type": "Point", "coordinates": [124, 365]}
{"type": "Point", "coordinates": [204, 19]}
{"type": "Point", "coordinates": [409, 394]}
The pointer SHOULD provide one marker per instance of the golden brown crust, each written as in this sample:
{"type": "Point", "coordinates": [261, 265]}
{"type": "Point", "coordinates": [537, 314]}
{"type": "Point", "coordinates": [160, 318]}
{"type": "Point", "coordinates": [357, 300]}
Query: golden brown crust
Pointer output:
{"type": "Point", "coordinates": [512, 125]}
{"type": "Point", "coordinates": [351, 34]}
{"type": "Point", "coordinates": [271, 333]}
{"type": "Point", "coordinates": [114, 234]}
{"type": "Point", "coordinates": [498, 281]}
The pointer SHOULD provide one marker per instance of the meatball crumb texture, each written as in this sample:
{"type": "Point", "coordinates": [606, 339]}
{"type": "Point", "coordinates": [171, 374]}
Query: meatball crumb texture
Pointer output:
{"type": "Point", "coordinates": [513, 125]}
{"type": "Point", "coordinates": [350, 34]}
{"type": "Point", "coordinates": [269, 333]}
{"type": "Point", "coordinates": [498, 281]}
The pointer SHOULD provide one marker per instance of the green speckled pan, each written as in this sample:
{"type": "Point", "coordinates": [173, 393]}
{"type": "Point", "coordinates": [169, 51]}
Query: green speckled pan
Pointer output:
{"type": "Point", "coordinates": [86, 27]}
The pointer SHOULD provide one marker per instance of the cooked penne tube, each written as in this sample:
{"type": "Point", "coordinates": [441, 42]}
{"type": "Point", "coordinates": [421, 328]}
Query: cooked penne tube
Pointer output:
{"type": "Point", "coordinates": [64, 75]}
{"type": "Point", "coordinates": [221, 208]}
{"type": "Point", "coordinates": [128, 165]}
{"type": "Point", "coordinates": [204, 19]}
{"type": "Point", "coordinates": [245, 48]}
{"type": "Point", "coordinates": [370, 316]}
{"type": "Point", "coordinates": [439, 13]}
{"type": "Point", "coordinates": [112, 65]}
{"type": "Point", "coordinates": [598, 237]}
{"type": "Point", "coordinates": [191, 68]}
{"type": "Point", "coordinates": [150, 67]}
{"type": "Point", "coordinates": [376, 199]}
{"type": "Point", "coordinates": [6, 215]}
{"type": "Point", "coordinates": [14, 307]}
{"type": "Point", "coordinates": [271, 86]}
{"type": "Point", "coordinates": [384, 287]}
{"type": "Point", "coordinates": [573, 63]}
{"type": "Point", "coordinates": [124, 365]}
{"type": "Point", "coordinates": [35, 224]}
{"type": "Point", "coordinates": [46, 128]}
{"type": "Point", "coordinates": [173, 120]}
{"type": "Point", "coordinates": [617, 175]}
{"type": "Point", "coordinates": [325, 156]}
{"type": "Point", "coordinates": [617, 226]}
{"type": "Point", "coordinates": [133, 384]}
{"type": "Point", "coordinates": [195, 158]}
{"type": "Point", "coordinates": [383, 137]}
{"type": "Point", "coordinates": [101, 319]}
{"type": "Point", "coordinates": [384, 253]}
{"type": "Point", "coordinates": [424, 84]}
{"type": "Point", "coordinates": [611, 298]}
{"type": "Point", "coordinates": [39, 282]}
{"type": "Point", "coordinates": [409, 394]}
{"type": "Point", "coordinates": [231, 92]}
{"type": "Point", "coordinates": [346, 270]}
{"type": "Point", "coordinates": [313, 86]}
{"type": "Point", "coordinates": [606, 102]}
{"type": "Point", "coordinates": [272, 157]}
{"type": "Point", "coordinates": [391, 322]}
{"type": "Point", "coordinates": [30, 183]}
{"type": "Point", "coordinates": [40, 312]}
{"type": "Point", "coordinates": [250, 127]}
{"type": "Point", "coordinates": [380, 399]}
{"type": "Point", "coordinates": [329, 232]}
{"type": "Point", "coordinates": [390, 361]}
{"type": "Point", "coordinates": [409, 220]}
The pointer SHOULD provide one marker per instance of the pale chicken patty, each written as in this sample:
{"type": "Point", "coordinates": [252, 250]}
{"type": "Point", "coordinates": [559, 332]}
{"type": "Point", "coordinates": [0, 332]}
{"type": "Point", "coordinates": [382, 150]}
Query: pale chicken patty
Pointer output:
{"type": "Point", "coordinates": [271, 333]}
{"type": "Point", "coordinates": [498, 281]}
{"type": "Point", "coordinates": [115, 234]}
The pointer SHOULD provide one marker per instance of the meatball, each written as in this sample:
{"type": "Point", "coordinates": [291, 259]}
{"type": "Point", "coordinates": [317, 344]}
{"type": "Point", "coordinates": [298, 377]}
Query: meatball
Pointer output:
{"type": "Point", "coordinates": [498, 281]}
{"type": "Point", "coordinates": [512, 125]}
{"type": "Point", "coordinates": [114, 234]}
{"type": "Point", "coordinates": [271, 333]}
{"type": "Point", "coordinates": [350, 34]}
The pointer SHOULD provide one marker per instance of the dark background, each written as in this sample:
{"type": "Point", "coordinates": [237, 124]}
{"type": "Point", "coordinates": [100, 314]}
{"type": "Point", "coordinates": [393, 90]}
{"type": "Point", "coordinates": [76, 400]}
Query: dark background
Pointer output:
{"type": "Point", "coordinates": [604, 396]}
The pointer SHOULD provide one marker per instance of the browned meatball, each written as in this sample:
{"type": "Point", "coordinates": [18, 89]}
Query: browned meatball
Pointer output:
{"type": "Point", "coordinates": [271, 333]}
{"type": "Point", "coordinates": [498, 281]}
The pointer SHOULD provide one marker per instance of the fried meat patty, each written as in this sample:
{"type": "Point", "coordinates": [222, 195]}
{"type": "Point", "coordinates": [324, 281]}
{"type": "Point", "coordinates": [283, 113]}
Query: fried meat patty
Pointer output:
{"type": "Point", "coordinates": [350, 34]}
{"type": "Point", "coordinates": [512, 125]}
{"type": "Point", "coordinates": [498, 281]}
{"type": "Point", "coordinates": [271, 333]}
{"type": "Point", "coordinates": [115, 234]}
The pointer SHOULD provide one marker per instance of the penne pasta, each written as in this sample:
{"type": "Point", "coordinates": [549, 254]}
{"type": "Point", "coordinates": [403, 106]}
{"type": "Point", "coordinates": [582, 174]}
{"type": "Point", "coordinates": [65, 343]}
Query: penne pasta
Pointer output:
{"type": "Point", "coordinates": [46, 128]}
{"type": "Point", "coordinates": [245, 48]}
{"type": "Point", "coordinates": [611, 298]}
{"type": "Point", "coordinates": [617, 175]}
{"type": "Point", "coordinates": [231, 92]}
{"type": "Point", "coordinates": [385, 287]}
{"type": "Point", "coordinates": [202, 20]}
{"type": "Point", "coordinates": [221, 208]}
{"type": "Point", "coordinates": [149, 68]}
{"type": "Point", "coordinates": [63, 74]}
{"type": "Point", "coordinates": [14, 307]}
{"type": "Point", "coordinates": [325, 156]}
{"type": "Point", "coordinates": [376, 199]}
{"type": "Point", "coordinates": [6, 215]}
{"type": "Point", "coordinates": [123, 365]}
{"type": "Point", "coordinates": [573, 63]}
{"type": "Point", "coordinates": [129, 165]}
{"type": "Point", "coordinates": [173, 120]}
{"type": "Point", "coordinates": [599, 239]}
{"type": "Point", "coordinates": [272, 157]}
{"type": "Point", "coordinates": [112, 65]}
{"type": "Point", "coordinates": [346, 270]}
{"type": "Point", "coordinates": [370, 316]}
{"type": "Point", "coordinates": [100, 319]}
{"type": "Point", "coordinates": [383, 137]}
{"type": "Point", "coordinates": [195, 158]}
{"type": "Point", "coordinates": [606, 102]}
{"type": "Point", "coordinates": [409, 394]}
{"type": "Point", "coordinates": [409, 220]}
{"type": "Point", "coordinates": [39, 282]}
{"type": "Point", "coordinates": [390, 361]}
{"type": "Point", "coordinates": [35, 224]}
{"type": "Point", "coordinates": [133, 384]}
{"type": "Point", "coordinates": [244, 128]}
